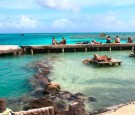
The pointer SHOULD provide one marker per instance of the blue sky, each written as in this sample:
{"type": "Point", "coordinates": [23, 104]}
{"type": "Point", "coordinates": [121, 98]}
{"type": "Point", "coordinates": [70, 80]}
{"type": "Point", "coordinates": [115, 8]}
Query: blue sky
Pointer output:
{"type": "Point", "coordinates": [49, 16]}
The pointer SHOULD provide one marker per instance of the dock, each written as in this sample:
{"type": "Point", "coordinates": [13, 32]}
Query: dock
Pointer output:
{"type": "Point", "coordinates": [34, 49]}
{"type": "Point", "coordinates": [76, 48]}
{"type": "Point", "coordinates": [113, 62]}
{"type": "Point", "coordinates": [10, 49]}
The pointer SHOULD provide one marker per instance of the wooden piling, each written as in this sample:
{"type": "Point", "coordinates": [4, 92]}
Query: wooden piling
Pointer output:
{"type": "Point", "coordinates": [40, 111]}
{"type": "Point", "coordinates": [51, 110]}
{"type": "Point", "coordinates": [62, 50]}
{"type": "Point", "coordinates": [110, 49]}
{"type": "Point", "coordinates": [32, 52]}
{"type": "Point", "coordinates": [85, 49]}
{"type": "Point", "coordinates": [48, 50]}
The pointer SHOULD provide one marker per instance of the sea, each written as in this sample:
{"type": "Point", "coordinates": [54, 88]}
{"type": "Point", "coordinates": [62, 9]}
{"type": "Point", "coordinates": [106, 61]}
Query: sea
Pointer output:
{"type": "Point", "coordinates": [108, 85]}
{"type": "Point", "coordinates": [72, 38]}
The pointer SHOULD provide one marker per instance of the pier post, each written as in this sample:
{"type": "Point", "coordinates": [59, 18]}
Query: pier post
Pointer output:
{"type": "Point", "coordinates": [97, 48]}
{"type": "Point", "coordinates": [110, 49]}
{"type": "Point", "coordinates": [74, 50]}
{"type": "Point", "coordinates": [62, 50]}
{"type": "Point", "coordinates": [31, 51]}
{"type": "Point", "coordinates": [48, 50]}
{"type": "Point", "coordinates": [85, 49]}
{"type": "Point", "coordinates": [120, 48]}
{"type": "Point", "coordinates": [2, 105]}
{"type": "Point", "coordinates": [19, 52]}
{"type": "Point", "coordinates": [133, 47]}
{"type": "Point", "coordinates": [51, 110]}
{"type": "Point", "coordinates": [24, 50]}
{"type": "Point", "coordinates": [14, 53]}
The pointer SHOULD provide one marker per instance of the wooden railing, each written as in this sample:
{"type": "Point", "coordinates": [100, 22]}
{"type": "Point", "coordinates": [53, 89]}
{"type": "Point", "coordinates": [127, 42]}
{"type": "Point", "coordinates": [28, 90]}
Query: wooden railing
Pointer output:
{"type": "Point", "coordinates": [40, 111]}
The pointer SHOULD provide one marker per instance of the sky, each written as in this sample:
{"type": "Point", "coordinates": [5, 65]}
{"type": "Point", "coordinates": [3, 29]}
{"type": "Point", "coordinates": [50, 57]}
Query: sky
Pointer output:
{"type": "Point", "coordinates": [58, 16]}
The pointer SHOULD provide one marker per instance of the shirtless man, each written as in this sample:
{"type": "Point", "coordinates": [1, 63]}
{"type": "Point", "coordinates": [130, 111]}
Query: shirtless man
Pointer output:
{"type": "Point", "coordinates": [117, 40]}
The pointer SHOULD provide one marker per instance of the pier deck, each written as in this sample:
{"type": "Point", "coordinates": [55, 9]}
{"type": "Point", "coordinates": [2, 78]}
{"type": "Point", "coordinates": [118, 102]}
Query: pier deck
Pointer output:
{"type": "Point", "coordinates": [76, 48]}
{"type": "Point", "coordinates": [10, 49]}
{"type": "Point", "coordinates": [34, 49]}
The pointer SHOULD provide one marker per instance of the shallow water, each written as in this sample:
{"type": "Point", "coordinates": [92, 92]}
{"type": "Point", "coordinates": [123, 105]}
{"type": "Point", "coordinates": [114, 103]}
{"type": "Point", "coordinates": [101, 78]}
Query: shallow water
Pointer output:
{"type": "Point", "coordinates": [109, 85]}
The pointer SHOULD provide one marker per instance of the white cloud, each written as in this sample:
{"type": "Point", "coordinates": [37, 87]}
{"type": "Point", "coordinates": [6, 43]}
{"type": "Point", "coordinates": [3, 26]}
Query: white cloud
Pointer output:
{"type": "Point", "coordinates": [27, 22]}
{"type": "Point", "coordinates": [59, 4]}
{"type": "Point", "coordinates": [62, 23]}
{"type": "Point", "coordinates": [24, 22]}
{"type": "Point", "coordinates": [108, 20]}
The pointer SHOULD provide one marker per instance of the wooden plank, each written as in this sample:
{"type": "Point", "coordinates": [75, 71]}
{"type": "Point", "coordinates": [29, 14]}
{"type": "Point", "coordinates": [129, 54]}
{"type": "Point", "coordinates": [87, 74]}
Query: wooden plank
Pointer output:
{"type": "Point", "coordinates": [111, 62]}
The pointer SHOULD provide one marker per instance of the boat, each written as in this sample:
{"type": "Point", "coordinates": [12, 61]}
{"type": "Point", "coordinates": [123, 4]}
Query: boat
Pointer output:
{"type": "Point", "coordinates": [102, 34]}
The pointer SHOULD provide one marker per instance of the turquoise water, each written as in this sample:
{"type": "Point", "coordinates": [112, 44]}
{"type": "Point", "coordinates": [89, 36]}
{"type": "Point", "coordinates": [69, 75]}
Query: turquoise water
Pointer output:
{"type": "Point", "coordinates": [46, 38]}
{"type": "Point", "coordinates": [15, 73]}
{"type": "Point", "coordinates": [109, 85]}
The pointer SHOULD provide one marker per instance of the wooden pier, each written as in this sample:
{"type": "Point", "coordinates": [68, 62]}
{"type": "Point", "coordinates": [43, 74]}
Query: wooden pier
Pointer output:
{"type": "Point", "coordinates": [10, 49]}
{"type": "Point", "coordinates": [34, 49]}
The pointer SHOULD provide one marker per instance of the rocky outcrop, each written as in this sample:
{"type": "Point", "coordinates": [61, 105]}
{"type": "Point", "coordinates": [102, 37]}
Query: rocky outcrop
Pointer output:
{"type": "Point", "coordinates": [53, 87]}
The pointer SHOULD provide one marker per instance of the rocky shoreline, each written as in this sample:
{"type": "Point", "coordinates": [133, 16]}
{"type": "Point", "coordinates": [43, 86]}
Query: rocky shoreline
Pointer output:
{"type": "Point", "coordinates": [46, 92]}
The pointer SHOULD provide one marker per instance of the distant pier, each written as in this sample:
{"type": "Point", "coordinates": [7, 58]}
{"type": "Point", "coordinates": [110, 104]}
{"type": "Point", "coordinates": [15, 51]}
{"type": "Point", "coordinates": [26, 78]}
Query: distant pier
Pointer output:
{"type": "Point", "coordinates": [34, 49]}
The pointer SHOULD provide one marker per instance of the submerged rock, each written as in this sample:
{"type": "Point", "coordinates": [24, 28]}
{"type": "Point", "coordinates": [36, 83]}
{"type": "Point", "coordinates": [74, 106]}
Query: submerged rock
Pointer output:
{"type": "Point", "coordinates": [39, 103]}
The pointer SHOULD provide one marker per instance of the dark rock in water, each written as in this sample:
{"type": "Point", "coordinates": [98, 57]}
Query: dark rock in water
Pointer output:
{"type": "Point", "coordinates": [73, 97]}
{"type": "Point", "coordinates": [98, 112]}
{"type": "Point", "coordinates": [38, 93]}
{"type": "Point", "coordinates": [92, 99]}
{"type": "Point", "coordinates": [39, 103]}
{"type": "Point", "coordinates": [79, 94]}
{"type": "Point", "coordinates": [39, 80]}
